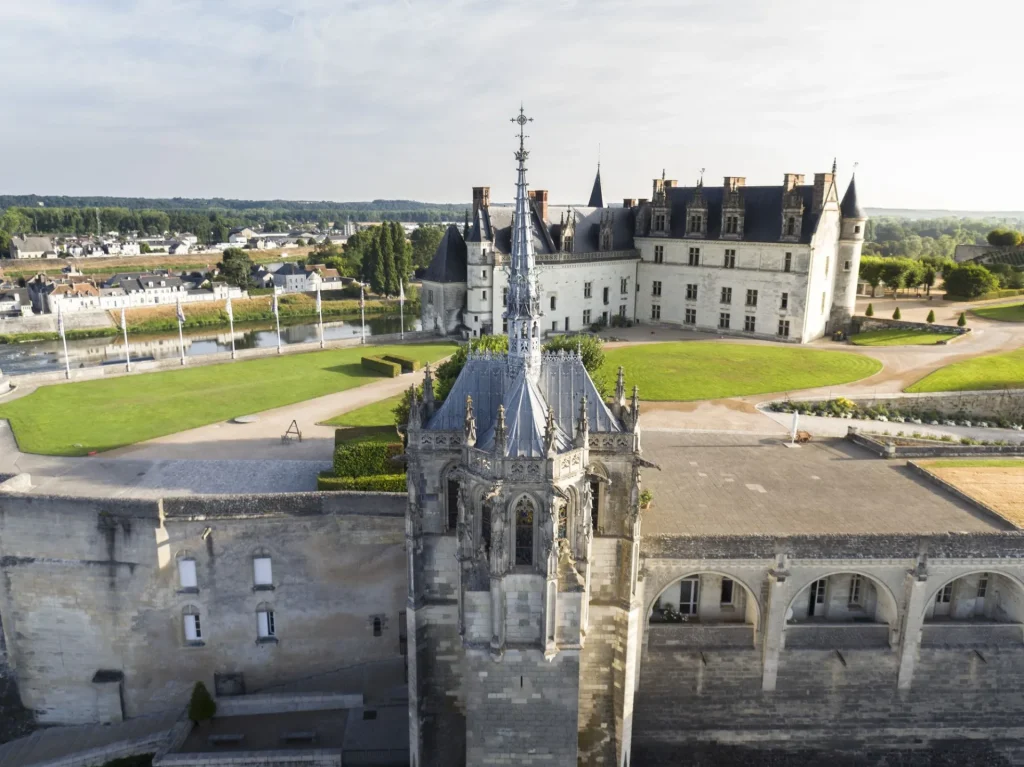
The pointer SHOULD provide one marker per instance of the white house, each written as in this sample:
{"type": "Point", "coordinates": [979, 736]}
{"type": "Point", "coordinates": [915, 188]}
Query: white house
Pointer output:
{"type": "Point", "coordinates": [23, 246]}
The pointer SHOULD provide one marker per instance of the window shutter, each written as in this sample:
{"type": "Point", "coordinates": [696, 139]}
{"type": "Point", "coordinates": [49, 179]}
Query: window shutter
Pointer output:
{"type": "Point", "coordinates": [261, 571]}
{"type": "Point", "coordinates": [190, 628]}
{"type": "Point", "coordinates": [187, 573]}
{"type": "Point", "coordinates": [262, 627]}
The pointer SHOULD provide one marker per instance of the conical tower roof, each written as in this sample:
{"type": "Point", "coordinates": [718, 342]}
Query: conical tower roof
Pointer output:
{"type": "Point", "coordinates": [849, 207]}
{"type": "Point", "coordinates": [596, 196]}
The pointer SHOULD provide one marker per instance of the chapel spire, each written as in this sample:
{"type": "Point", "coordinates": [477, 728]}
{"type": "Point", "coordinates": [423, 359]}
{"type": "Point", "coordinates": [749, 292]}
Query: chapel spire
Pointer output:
{"type": "Point", "coordinates": [523, 307]}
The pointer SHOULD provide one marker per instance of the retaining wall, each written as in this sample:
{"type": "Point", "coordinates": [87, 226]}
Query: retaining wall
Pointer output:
{"type": "Point", "coordinates": [866, 324]}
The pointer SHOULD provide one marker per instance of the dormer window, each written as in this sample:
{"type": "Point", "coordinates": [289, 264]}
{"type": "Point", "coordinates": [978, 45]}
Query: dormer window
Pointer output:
{"type": "Point", "coordinates": [791, 226]}
{"type": "Point", "coordinates": [659, 222]}
{"type": "Point", "coordinates": [567, 244]}
{"type": "Point", "coordinates": [696, 224]}
{"type": "Point", "coordinates": [732, 224]}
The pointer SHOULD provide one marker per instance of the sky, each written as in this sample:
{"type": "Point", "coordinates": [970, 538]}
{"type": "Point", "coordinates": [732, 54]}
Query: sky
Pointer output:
{"type": "Point", "coordinates": [411, 99]}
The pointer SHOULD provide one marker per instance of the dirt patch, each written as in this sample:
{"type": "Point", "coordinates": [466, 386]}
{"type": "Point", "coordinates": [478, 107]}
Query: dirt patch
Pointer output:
{"type": "Point", "coordinates": [1000, 488]}
{"type": "Point", "coordinates": [736, 405]}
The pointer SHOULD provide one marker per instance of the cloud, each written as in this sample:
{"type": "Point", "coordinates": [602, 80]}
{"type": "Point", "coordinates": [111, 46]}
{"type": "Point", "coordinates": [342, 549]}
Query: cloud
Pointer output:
{"type": "Point", "coordinates": [410, 98]}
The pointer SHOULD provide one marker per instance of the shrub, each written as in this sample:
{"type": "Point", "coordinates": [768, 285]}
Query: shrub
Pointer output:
{"type": "Point", "coordinates": [588, 346]}
{"type": "Point", "coordinates": [970, 280]}
{"type": "Point", "coordinates": [202, 707]}
{"type": "Point", "coordinates": [896, 314]}
{"type": "Point", "coordinates": [379, 483]}
{"type": "Point", "coordinates": [870, 311]}
{"type": "Point", "coordinates": [365, 459]}
{"type": "Point", "coordinates": [380, 365]}
{"type": "Point", "coordinates": [408, 365]}
{"type": "Point", "coordinates": [962, 320]}
{"type": "Point", "coordinates": [931, 317]}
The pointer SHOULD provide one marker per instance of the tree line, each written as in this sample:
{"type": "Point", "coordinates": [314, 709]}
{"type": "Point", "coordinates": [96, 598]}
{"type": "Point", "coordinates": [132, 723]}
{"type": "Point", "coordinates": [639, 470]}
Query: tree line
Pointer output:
{"type": "Point", "coordinates": [935, 238]}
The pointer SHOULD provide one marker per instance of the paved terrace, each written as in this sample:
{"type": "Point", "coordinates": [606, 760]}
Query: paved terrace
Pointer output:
{"type": "Point", "coordinates": [752, 484]}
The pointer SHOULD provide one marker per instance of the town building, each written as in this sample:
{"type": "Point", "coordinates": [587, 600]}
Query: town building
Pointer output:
{"type": "Point", "coordinates": [772, 262]}
{"type": "Point", "coordinates": [77, 293]}
{"type": "Point", "coordinates": [25, 246]}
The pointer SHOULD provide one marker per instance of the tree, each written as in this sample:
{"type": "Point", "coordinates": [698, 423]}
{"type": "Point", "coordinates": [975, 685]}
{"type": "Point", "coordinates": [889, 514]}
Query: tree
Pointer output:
{"type": "Point", "coordinates": [389, 276]}
{"type": "Point", "coordinates": [871, 271]}
{"type": "Point", "coordinates": [202, 707]}
{"type": "Point", "coordinates": [300, 243]}
{"type": "Point", "coordinates": [896, 314]}
{"type": "Point", "coordinates": [1006, 238]}
{"type": "Point", "coordinates": [896, 272]}
{"type": "Point", "coordinates": [425, 240]}
{"type": "Point", "coordinates": [962, 320]}
{"type": "Point", "coordinates": [931, 317]}
{"type": "Point", "coordinates": [403, 253]}
{"type": "Point", "coordinates": [870, 311]}
{"type": "Point", "coordinates": [236, 268]}
{"type": "Point", "coordinates": [588, 346]}
{"type": "Point", "coordinates": [928, 275]}
{"type": "Point", "coordinates": [372, 267]}
{"type": "Point", "coordinates": [144, 248]}
{"type": "Point", "coordinates": [969, 281]}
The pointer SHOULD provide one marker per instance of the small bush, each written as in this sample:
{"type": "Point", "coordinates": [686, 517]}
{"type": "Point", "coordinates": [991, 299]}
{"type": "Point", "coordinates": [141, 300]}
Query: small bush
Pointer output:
{"type": "Point", "coordinates": [380, 483]}
{"type": "Point", "coordinates": [896, 314]}
{"type": "Point", "coordinates": [931, 317]}
{"type": "Point", "coordinates": [202, 706]}
{"type": "Point", "coordinates": [870, 311]}
{"type": "Point", "coordinates": [408, 365]}
{"type": "Point", "coordinates": [962, 320]}
{"type": "Point", "coordinates": [366, 459]}
{"type": "Point", "coordinates": [380, 365]}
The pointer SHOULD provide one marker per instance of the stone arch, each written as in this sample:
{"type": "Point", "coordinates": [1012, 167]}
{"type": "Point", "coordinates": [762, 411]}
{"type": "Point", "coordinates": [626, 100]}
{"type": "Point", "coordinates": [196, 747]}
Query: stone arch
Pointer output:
{"type": "Point", "coordinates": [885, 607]}
{"type": "Point", "coordinates": [1002, 600]}
{"type": "Point", "coordinates": [597, 478]}
{"type": "Point", "coordinates": [753, 603]}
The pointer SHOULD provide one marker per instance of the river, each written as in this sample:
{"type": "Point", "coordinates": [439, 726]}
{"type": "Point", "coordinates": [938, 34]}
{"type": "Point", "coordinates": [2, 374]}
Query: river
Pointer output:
{"type": "Point", "coordinates": [43, 356]}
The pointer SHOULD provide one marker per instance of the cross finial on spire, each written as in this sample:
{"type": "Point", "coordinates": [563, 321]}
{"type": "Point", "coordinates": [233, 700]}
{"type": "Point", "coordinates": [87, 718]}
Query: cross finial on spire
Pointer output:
{"type": "Point", "coordinates": [701, 182]}
{"type": "Point", "coordinates": [521, 120]}
{"type": "Point", "coordinates": [834, 166]}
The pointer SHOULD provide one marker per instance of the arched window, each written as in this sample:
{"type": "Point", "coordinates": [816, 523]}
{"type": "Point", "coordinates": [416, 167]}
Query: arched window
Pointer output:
{"type": "Point", "coordinates": [452, 502]}
{"type": "Point", "coordinates": [524, 513]}
{"type": "Point", "coordinates": [595, 497]}
{"type": "Point", "coordinates": [485, 525]}
{"type": "Point", "coordinates": [563, 520]}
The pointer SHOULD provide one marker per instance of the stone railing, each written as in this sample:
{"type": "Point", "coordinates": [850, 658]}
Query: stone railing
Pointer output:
{"type": "Point", "coordinates": [700, 636]}
{"type": "Point", "coordinates": [971, 634]}
{"type": "Point", "coordinates": [500, 259]}
{"type": "Point", "coordinates": [837, 636]}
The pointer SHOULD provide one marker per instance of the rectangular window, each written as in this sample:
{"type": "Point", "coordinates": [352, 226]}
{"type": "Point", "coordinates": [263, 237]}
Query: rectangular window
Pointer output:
{"type": "Point", "coordinates": [452, 500]}
{"type": "Point", "coordinates": [262, 574]}
{"type": "Point", "coordinates": [193, 631]}
{"type": "Point", "coordinates": [751, 298]}
{"type": "Point", "coordinates": [749, 323]}
{"type": "Point", "coordinates": [823, 301]}
{"type": "Point", "coordinates": [504, 326]}
{"type": "Point", "coordinates": [818, 591]}
{"type": "Point", "coordinates": [784, 303]}
{"type": "Point", "coordinates": [723, 320]}
{"type": "Point", "coordinates": [483, 273]}
{"type": "Point", "coordinates": [554, 325]}
{"type": "Point", "coordinates": [730, 259]}
{"type": "Point", "coordinates": [846, 266]}
{"type": "Point", "coordinates": [694, 257]}
{"type": "Point", "coordinates": [604, 294]}
{"type": "Point", "coordinates": [689, 595]}
{"type": "Point", "coordinates": [430, 297]}
{"type": "Point", "coordinates": [567, 324]}
{"type": "Point", "coordinates": [691, 292]}
{"type": "Point", "coordinates": [265, 627]}
{"type": "Point", "coordinates": [552, 302]}
{"type": "Point", "coordinates": [696, 224]}
{"type": "Point", "coordinates": [784, 328]}
{"type": "Point", "coordinates": [659, 254]}
{"type": "Point", "coordinates": [727, 591]}
{"type": "Point", "coordinates": [187, 574]}
{"type": "Point", "coordinates": [485, 295]}
{"type": "Point", "coordinates": [622, 310]}
{"type": "Point", "coordinates": [587, 289]}
{"type": "Point", "coordinates": [855, 591]}
{"type": "Point", "coordinates": [726, 297]}
{"type": "Point", "coordinates": [982, 585]}
{"type": "Point", "coordinates": [787, 265]}
{"type": "Point", "coordinates": [856, 229]}
{"type": "Point", "coordinates": [691, 317]}
{"type": "Point", "coordinates": [656, 288]}
{"type": "Point", "coordinates": [504, 295]}
{"type": "Point", "coordinates": [945, 595]}
{"type": "Point", "coordinates": [731, 224]}
{"type": "Point", "coordinates": [586, 317]}
{"type": "Point", "coordinates": [659, 222]}
{"type": "Point", "coordinates": [828, 260]}
{"type": "Point", "coordinates": [656, 311]}
{"type": "Point", "coordinates": [624, 285]}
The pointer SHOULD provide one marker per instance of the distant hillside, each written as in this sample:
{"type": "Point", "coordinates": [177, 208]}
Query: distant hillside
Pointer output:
{"type": "Point", "coordinates": [924, 214]}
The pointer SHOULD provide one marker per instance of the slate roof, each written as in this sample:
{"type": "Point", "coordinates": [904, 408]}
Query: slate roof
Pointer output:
{"type": "Point", "coordinates": [596, 197]}
{"type": "Point", "coordinates": [32, 244]}
{"type": "Point", "coordinates": [850, 207]}
{"type": "Point", "coordinates": [449, 261]}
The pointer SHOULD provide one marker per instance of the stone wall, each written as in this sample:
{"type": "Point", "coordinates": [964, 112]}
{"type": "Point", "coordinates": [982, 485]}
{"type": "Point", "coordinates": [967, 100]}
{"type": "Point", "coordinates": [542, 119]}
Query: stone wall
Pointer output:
{"type": "Point", "coordinates": [867, 324]}
{"type": "Point", "coordinates": [974, 405]}
{"type": "Point", "coordinates": [92, 585]}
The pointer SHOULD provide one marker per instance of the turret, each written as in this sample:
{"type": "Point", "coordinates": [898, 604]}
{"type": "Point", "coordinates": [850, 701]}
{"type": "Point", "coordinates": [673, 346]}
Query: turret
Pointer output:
{"type": "Point", "coordinates": [851, 241]}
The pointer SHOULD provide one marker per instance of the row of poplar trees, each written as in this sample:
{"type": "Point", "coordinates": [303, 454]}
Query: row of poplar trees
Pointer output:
{"type": "Point", "coordinates": [387, 261]}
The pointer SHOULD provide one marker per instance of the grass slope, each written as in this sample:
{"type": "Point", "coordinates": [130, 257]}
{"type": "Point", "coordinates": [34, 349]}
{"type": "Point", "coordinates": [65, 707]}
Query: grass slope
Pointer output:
{"type": "Point", "coordinates": [370, 423]}
{"type": "Point", "coordinates": [695, 370]}
{"type": "Point", "coordinates": [976, 463]}
{"type": "Point", "coordinates": [1004, 313]}
{"type": "Point", "coordinates": [899, 337]}
{"type": "Point", "coordinates": [104, 414]}
{"type": "Point", "coordinates": [995, 371]}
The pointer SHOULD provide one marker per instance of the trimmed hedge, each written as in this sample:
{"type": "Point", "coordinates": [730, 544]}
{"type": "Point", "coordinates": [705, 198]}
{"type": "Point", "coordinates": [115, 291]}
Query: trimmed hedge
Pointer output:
{"type": "Point", "coordinates": [366, 459]}
{"type": "Point", "coordinates": [1008, 293]}
{"type": "Point", "coordinates": [408, 365]}
{"type": "Point", "coordinates": [380, 483]}
{"type": "Point", "coordinates": [381, 365]}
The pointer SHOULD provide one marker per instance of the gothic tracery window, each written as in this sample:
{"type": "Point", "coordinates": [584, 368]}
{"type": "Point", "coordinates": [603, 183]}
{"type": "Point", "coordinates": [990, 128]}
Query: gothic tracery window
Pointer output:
{"type": "Point", "coordinates": [563, 521]}
{"type": "Point", "coordinates": [524, 513]}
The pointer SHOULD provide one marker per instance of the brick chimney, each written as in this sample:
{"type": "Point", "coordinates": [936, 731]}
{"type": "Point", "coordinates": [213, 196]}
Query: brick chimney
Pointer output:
{"type": "Point", "coordinates": [629, 202]}
{"type": "Point", "coordinates": [822, 181]}
{"type": "Point", "coordinates": [732, 183]}
{"type": "Point", "coordinates": [791, 180]}
{"type": "Point", "coordinates": [540, 197]}
{"type": "Point", "coordinates": [481, 198]}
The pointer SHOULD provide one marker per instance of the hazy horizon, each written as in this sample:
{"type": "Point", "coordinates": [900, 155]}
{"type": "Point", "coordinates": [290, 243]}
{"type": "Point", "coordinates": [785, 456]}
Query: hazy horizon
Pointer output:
{"type": "Point", "coordinates": [396, 99]}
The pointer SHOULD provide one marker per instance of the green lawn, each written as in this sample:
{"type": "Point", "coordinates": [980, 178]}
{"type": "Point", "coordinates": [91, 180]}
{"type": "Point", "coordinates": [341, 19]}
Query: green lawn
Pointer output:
{"type": "Point", "coordinates": [976, 463]}
{"type": "Point", "coordinates": [1004, 313]}
{"type": "Point", "coordinates": [996, 371]}
{"type": "Point", "coordinates": [899, 337]}
{"type": "Point", "coordinates": [695, 370]}
{"type": "Point", "coordinates": [104, 414]}
{"type": "Point", "coordinates": [370, 423]}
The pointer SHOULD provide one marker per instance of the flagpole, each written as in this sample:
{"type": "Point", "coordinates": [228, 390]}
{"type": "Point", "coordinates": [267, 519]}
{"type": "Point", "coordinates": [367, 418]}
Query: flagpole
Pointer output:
{"type": "Point", "coordinates": [277, 317]}
{"type": "Point", "coordinates": [401, 309]}
{"type": "Point", "coordinates": [64, 338]}
{"type": "Point", "coordinates": [362, 315]}
{"type": "Point", "coordinates": [181, 335]}
{"type": "Point", "coordinates": [320, 312]}
{"type": "Point", "coordinates": [127, 352]}
{"type": "Point", "coordinates": [231, 321]}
